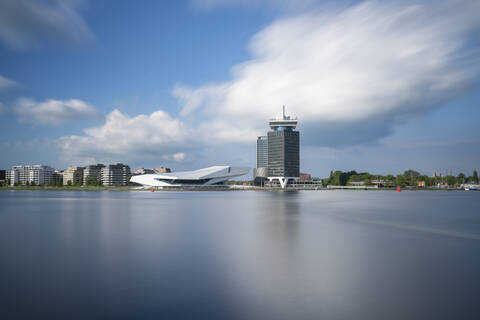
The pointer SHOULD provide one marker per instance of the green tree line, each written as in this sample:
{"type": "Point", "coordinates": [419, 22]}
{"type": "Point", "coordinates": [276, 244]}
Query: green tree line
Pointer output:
{"type": "Point", "coordinates": [408, 178]}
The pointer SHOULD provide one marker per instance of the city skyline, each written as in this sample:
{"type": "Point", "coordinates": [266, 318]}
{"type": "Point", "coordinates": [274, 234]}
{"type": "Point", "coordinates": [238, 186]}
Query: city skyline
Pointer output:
{"type": "Point", "coordinates": [379, 86]}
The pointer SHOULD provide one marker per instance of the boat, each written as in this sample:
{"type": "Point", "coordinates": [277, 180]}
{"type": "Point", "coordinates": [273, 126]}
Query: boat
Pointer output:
{"type": "Point", "coordinates": [473, 187]}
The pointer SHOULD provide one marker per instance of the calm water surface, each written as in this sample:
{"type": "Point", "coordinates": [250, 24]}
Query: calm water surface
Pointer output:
{"type": "Point", "coordinates": [240, 255]}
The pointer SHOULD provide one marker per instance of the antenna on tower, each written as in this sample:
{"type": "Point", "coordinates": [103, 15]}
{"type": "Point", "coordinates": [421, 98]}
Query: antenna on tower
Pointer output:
{"type": "Point", "coordinates": [283, 111]}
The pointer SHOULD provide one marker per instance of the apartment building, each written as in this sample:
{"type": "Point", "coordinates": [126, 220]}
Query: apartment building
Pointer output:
{"type": "Point", "coordinates": [73, 176]}
{"type": "Point", "coordinates": [116, 174]}
{"type": "Point", "coordinates": [92, 174]}
{"type": "Point", "coordinates": [30, 174]}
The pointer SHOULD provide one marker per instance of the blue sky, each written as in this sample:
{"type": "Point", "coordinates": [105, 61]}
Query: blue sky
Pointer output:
{"type": "Point", "coordinates": [377, 86]}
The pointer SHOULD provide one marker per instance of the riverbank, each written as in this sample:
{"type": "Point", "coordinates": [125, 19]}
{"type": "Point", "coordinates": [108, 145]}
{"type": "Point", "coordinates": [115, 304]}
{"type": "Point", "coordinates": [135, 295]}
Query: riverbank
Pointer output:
{"type": "Point", "coordinates": [214, 188]}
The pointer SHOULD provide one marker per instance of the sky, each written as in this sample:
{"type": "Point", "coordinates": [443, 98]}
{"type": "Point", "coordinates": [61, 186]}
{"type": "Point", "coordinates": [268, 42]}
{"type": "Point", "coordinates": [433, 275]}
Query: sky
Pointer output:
{"type": "Point", "coordinates": [377, 86]}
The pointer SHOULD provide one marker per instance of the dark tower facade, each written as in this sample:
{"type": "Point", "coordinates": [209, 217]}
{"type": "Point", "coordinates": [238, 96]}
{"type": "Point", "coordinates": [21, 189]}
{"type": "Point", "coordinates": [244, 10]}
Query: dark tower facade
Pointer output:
{"type": "Point", "coordinates": [283, 153]}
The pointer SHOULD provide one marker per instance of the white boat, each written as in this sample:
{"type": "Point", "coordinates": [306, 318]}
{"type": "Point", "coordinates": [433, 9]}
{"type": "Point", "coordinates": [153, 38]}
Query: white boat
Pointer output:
{"type": "Point", "coordinates": [469, 187]}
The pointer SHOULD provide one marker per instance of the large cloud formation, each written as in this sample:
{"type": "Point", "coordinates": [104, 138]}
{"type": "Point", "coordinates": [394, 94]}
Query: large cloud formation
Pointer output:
{"type": "Point", "coordinates": [23, 23]}
{"type": "Point", "coordinates": [350, 75]}
{"type": "Point", "coordinates": [132, 138]}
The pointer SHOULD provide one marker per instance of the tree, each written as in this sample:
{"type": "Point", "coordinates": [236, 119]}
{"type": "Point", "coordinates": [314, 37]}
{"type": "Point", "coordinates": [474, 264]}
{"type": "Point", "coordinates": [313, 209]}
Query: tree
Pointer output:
{"type": "Point", "coordinates": [450, 180]}
{"type": "Point", "coordinates": [88, 181]}
{"type": "Point", "coordinates": [461, 178]}
{"type": "Point", "coordinates": [69, 183]}
{"type": "Point", "coordinates": [411, 176]}
{"type": "Point", "coordinates": [401, 180]}
{"type": "Point", "coordinates": [96, 182]}
{"type": "Point", "coordinates": [475, 176]}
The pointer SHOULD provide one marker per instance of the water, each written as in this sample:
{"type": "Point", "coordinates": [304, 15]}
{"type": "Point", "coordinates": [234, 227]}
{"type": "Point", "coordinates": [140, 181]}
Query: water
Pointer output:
{"type": "Point", "coordinates": [240, 255]}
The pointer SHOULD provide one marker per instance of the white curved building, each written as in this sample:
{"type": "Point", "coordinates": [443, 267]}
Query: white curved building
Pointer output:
{"type": "Point", "coordinates": [216, 175]}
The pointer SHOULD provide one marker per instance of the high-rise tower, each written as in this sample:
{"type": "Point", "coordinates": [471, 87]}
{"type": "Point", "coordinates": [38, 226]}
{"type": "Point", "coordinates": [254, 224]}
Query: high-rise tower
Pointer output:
{"type": "Point", "coordinates": [283, 150]}
{"type": "Point", "coordinates": [262, 152]}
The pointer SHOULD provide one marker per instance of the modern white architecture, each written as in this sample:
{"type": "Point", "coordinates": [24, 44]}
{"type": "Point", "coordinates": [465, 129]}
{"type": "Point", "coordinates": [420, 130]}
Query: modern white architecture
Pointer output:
{"type": "Point", "coordinates": [216, 175]}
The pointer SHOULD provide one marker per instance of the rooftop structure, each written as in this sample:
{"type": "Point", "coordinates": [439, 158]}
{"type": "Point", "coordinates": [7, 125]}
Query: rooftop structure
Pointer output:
{"type": "Point", "coordinates": [283, 123]}
{"type": "Point", "coordinates": [216, 175]}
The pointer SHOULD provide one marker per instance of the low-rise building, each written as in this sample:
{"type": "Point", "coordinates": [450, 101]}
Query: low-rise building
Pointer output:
{"type": "Point", "coordinates": [73, 176]}
{"type": "Point", "coordinates": [116, 174]}
{"type": "Point", "coordinates": [260, 176]}
{"type": "Point", "coordinates": [304, 177]}
{"type": "Point", "coordinates": [357, 183]}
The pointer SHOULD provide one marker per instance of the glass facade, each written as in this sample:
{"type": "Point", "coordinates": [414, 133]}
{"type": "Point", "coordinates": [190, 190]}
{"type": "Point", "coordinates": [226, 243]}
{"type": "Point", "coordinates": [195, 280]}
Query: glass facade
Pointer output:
{"type": "Point", "coordinates": [262, 152]}
{"type": "Point", "coordinates": [283, 153]}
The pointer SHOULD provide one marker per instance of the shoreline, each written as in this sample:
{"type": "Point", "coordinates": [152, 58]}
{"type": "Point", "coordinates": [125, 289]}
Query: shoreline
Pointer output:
{"type": "Point", "coordinates": [229, 188]}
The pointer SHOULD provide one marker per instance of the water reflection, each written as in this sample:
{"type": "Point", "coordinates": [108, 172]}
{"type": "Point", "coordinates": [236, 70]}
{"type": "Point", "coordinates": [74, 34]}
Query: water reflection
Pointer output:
{"type": "Point", "coordinates": [245, 255]}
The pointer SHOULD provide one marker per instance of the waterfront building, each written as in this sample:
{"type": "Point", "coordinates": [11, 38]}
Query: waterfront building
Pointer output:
{"type": "Point", "coordinates": [260, 173]}
{"type": "Point", "coordinates": [283, 150]}
{"type": "Point", "coordinates": [92, 173]}
{"type": "Point", "coordinates": [30, 174]}
{"type": "Point", "coordinates": [357, 183]}
{"type": "Point", "coordinates": [262, 152]}
{"type": "Point", "coordinates": [73, 175]}
{"type": "Point", "coordinates": [11, 177]}
{"type": "Point", "coordinates": [211, 176]}
{"type": "Point", "coordinates": [305, 177]}
{"type": "Point", "coordinates": [57, 177]}
{"type": "Point", "coordinates": [260, 176]}
{"type": "Point", "coordinates": [116, 174]}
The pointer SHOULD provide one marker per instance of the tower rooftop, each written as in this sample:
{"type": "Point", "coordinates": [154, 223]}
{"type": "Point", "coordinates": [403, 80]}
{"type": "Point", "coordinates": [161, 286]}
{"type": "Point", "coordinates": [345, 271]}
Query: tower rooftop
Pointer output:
{"type": "Point", "coordinates": [283, 122]}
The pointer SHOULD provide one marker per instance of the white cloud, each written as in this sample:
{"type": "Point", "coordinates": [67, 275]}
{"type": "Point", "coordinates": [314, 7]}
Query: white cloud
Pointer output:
{"type": "Point", "coordinates": [53, 112]}
{"type": "Point", "coordinates": [349, 75]}
{"type": "Point", "coordinates": [179, 156]}
{"type": "Point", "coordinates": [125, 138]}
{"type": "Point", "coordinates": [6, 83]}
{"type": "Point", "coordinates": [25, 23]}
